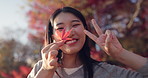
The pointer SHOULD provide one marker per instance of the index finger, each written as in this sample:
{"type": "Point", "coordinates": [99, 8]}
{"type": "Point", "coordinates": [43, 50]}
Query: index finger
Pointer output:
{"type": "Point", "coordinates": [47, 47]}
{"type": "Point", "coordinates": [56, 45]}
{"type": "Point", "coordinates": [97, 28]}
{"type": "Point", "coordinates": [52, 46]}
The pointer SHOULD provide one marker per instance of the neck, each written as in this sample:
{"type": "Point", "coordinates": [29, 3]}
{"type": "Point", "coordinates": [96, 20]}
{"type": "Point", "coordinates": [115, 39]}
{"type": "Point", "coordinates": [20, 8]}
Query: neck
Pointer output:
{"type": "Point", "coordinates": [71, 61]}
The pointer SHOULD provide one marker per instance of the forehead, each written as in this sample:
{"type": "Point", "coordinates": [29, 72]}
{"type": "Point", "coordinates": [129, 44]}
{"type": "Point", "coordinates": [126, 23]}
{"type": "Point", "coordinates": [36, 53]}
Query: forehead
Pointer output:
{"type": "Point", "coordinates": [64, 17]}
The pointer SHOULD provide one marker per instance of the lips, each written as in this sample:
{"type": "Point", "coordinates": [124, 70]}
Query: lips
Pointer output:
{"type": "Point", "coordinates": [69, 42]}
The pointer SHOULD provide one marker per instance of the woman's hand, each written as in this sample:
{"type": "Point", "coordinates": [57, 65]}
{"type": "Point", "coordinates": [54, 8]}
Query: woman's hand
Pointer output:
{"type": "Point", "coordinates": [110, 44]}
{"type": "Point", "coordinates": [49, 56]}
{"type": "Point", "coordinates": [107, 41]}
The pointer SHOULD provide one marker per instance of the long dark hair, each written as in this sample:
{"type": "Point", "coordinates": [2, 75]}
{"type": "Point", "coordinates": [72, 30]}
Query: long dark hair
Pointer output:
{"type": "Point", "coordinates": [84, 54]}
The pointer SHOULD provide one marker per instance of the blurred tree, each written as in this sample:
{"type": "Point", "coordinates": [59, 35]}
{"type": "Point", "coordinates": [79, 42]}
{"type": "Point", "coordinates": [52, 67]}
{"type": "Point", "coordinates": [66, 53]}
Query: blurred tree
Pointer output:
{"type": "Point", "coordinates": [128, 19]}
{"type": "Point", "coordinates": [21, 72]}
{"type": "Point", "coordinates": [6, 50]}
{"type": "Point", "coordinates": [16, 58]}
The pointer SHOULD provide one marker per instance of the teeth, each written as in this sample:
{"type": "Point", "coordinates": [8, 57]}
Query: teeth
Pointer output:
{"type": "Point", "coordinates": [69, 42]}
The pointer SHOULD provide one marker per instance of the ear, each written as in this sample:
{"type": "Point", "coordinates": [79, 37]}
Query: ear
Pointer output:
{"type": "Point", "coordinates": [53, 38]}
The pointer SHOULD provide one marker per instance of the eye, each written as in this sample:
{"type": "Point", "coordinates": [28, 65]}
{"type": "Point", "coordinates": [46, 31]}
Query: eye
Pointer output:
{"type": "Point", "coordinates": [60, 28]}
{"type": "Point", "coordinates": [75, 25]}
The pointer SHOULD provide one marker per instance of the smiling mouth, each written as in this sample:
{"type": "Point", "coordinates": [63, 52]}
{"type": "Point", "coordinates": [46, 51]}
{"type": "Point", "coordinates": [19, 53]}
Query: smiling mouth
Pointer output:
{"type": "Point", "coordinates": [71, 41]}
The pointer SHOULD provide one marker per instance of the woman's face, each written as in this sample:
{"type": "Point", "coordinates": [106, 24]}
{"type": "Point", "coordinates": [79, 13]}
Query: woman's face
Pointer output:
{"type": "Point", "coordinates": [68, 21]}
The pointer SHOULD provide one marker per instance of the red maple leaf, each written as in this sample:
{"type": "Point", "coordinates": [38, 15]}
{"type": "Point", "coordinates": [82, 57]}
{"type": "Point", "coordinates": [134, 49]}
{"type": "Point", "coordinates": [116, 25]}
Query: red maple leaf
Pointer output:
{"type": "Point", "coordinates": [64, 35]}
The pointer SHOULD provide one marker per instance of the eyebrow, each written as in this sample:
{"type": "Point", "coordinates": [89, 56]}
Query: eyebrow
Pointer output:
{"type": "Point", "coordinates": [75, 21]}
{"type": "Point", "coordinates": [59, 24]}
{"type": "Point", "coordinates": [71, 21]}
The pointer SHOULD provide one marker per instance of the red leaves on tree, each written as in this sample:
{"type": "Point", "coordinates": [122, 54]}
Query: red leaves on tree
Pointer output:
{"type": "Point", "coordinates": [22, 72]}
{"type": "Point", "coordinates": [16, 74]}
{"type": "Point", "coordinates": [5, 75]}
{"type": "Point", "coordinates": [25, 70]}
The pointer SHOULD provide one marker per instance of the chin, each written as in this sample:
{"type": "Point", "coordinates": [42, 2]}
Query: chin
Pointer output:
{"type": "Point", "coordinates": [71, 50]}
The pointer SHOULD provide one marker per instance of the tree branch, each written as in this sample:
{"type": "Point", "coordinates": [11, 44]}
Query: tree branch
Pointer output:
{"type": "Point", "coordinates": [138, 6]}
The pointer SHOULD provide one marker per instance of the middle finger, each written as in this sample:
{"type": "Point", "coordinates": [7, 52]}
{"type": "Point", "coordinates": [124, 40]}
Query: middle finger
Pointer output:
{"type": "Point", "coordinates": [52, 54]}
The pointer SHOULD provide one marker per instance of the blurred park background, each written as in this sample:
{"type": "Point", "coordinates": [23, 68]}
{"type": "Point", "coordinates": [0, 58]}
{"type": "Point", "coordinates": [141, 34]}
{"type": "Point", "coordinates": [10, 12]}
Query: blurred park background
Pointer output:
{"type": "Point", "coordinates": [22, 26]}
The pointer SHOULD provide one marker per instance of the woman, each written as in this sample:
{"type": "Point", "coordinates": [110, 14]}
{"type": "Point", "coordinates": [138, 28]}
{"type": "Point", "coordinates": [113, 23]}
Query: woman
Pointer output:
{"type": "Point", "coordinates": [67, 31]}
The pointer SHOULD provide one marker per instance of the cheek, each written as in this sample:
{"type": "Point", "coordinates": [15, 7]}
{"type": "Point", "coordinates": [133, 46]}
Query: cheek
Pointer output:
{"type": "Point", "coordinates": [80, 32]}
{"type": "Point", "coordinates": [56, 37]}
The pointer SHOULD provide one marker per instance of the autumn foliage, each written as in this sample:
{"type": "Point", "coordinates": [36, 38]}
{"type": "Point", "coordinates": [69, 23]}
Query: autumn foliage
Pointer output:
{"type": "Point", "coordinates": [126, 18]}
{"type": "Point", "coordinates": [21, 73]}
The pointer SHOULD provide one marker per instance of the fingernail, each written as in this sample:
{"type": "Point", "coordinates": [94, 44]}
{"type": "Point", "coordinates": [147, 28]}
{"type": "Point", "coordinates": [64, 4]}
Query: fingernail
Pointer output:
{"type": "Point", "coordinates": [85, 31]}
{"type": "Point", "coordinates": [107, 32]}
{"type": "Point", "coordinates": [93, 21]}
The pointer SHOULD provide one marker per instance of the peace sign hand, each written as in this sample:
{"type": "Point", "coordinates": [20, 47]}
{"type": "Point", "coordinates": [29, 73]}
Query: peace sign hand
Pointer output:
{"type": "Point", "coordinates": [107, 41]}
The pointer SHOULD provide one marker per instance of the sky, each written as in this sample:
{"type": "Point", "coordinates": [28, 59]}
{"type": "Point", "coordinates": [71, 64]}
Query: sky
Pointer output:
{"type": "Point", "coordinates": [13, 20]}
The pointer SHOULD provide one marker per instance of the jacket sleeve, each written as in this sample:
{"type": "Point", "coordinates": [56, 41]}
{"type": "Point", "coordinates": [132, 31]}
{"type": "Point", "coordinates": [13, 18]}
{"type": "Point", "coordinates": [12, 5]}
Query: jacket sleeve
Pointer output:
{"type": "Point", "coordinates": [113, 71]}
{"type": "Point", "coordinates": [144, 70]}
{"type": "Point", "coordinates": [35, 69]}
